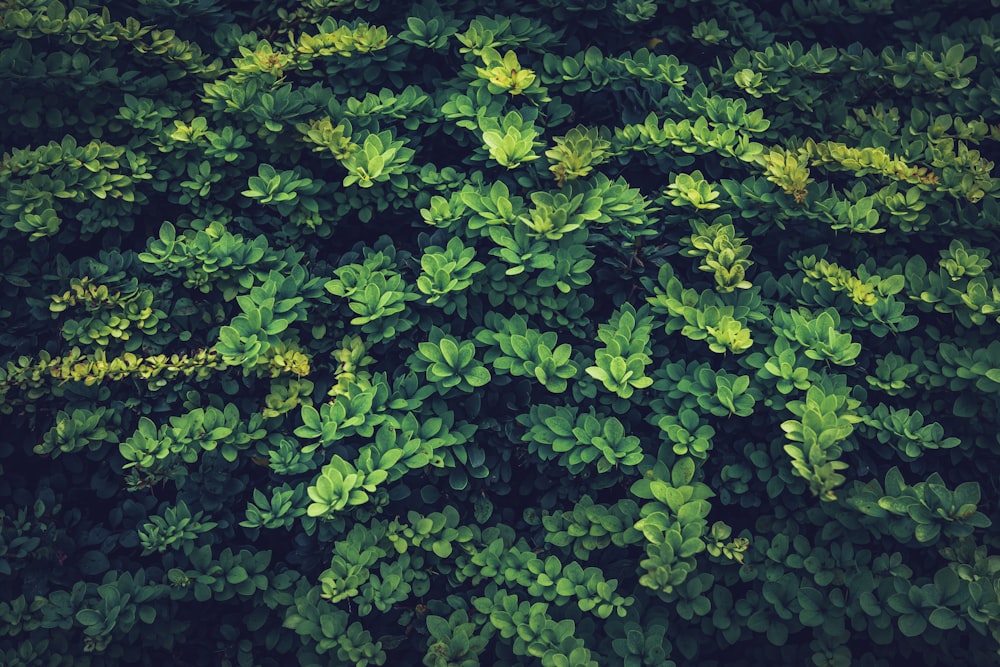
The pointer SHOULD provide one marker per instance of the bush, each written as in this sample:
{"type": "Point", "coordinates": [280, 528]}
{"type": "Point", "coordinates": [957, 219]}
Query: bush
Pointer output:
{"type": "Point", "coordinates": [347, 332]}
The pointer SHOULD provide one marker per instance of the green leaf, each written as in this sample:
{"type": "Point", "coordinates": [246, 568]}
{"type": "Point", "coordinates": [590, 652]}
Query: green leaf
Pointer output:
{"type": "Point", "coordinates": [912, 625]}
{"type": "Point", "coordinates": [442, 548]}
{"type": "Point", "coordinates": [693, 511]}
{"type": "Point", "coordinates": [430, 351]}
{"type": "Point", "coordinates": [482, 508]}
{"type": "Point", "coordinates": [944, 618]}
{"type": "Point", "coordinates": [521, 346]}
{"type": "Point", "coordinates": [94, 563]}
{"type": "Point", "coordinates": [438, 627]}
{"type": "Point", "coordinates": [237, 575]}
{"type": "Point", "coordinates": [690, 547]}
{"type": "Point", "coordinates": [926, 533]}
{"type": "Point", "coordinates": [560, 426]}
{"type": "Point", "coordinates": [477, 377]}
{"type": "Point", "coordinates": [147, 614]}
{"type": "Point", "coordinates": [88, 617]}
{"type": "Point", "coordinates": [449, 350]}
{"type": "Point", "coordinates": [565, 587]}
{"type": "Point", "coordinates": [683, 472]}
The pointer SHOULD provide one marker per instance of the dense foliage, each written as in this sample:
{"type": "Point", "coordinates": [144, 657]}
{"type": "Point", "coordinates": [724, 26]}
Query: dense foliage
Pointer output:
{"type": "Point", "coordinates": [566, 332]}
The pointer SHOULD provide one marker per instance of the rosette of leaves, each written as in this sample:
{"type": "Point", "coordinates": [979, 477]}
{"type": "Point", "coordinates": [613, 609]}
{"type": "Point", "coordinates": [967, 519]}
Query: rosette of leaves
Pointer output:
{"type": "Point", "coordinates": [511, 141]}
{"type": "Point", "coordinates": [176, 528]}
{"type": "Point", "coordinates": [577, 153]}
{"type": "Point", "coordinates": [523, 351]}
{"type": "Point", "coordinates": [449, 363]}
{"type": "Point", "coordinates": [380, 158]}
{"type": "Point", "coordinates": [783, 366]}
{"type": "Point", "coordinates": [692, 190]}
{"type": "Point", "coordinates": [580, 441]}
{"type": "Point", "coordinates": [554, 216]}
{"type": "Point", "coordinates": [377, 294]}
{"type": "Point", "coordinates": [620, 365]}
{"type": "Point", "coordinates": [505, 74]}
{"type": "Point", "coordinates": [723, 253]}
{"type": "Point", "coordinates": [818, 334]}
{"type": "Point", "coordinates": [455, 640]}
{"type": "Point", "coordinates": [282, 189]}
{"type": "Point", "coordinates": [341, 485]}
{"type": "Point", "coordinates": [447, 271]}
{"type": "Point", "coordinates": [327, 137]}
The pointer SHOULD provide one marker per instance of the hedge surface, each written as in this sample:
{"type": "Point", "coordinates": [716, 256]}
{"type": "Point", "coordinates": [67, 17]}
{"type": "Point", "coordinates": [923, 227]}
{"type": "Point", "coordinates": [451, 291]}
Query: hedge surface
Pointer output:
{"type": "Point", "coordinates": [571, 332]}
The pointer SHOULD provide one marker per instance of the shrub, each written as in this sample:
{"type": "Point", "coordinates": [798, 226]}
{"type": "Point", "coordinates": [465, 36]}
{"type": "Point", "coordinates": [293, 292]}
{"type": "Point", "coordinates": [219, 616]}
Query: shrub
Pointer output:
{"type": "Point", "coordinates": [347, 332]}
